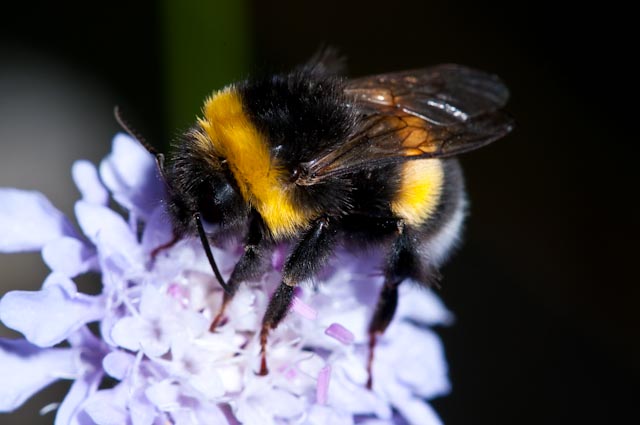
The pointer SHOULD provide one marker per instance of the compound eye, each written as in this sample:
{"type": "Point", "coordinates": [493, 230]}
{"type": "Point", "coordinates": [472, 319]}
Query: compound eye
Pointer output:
{"type": "Point", "coordinates": [221, 203]}
{"type": "Point", "coordinates": [211, 213]}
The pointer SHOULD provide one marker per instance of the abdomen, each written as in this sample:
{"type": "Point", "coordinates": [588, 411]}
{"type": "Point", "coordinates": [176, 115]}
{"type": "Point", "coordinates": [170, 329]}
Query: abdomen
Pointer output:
{"type": "Point", "coordinates": [441, 231]}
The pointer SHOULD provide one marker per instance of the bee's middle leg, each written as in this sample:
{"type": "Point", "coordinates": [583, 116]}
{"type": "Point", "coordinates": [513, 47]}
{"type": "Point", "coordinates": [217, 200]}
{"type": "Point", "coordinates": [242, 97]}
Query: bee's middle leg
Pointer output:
{"type": "Point", "coordinates": [308, 255]}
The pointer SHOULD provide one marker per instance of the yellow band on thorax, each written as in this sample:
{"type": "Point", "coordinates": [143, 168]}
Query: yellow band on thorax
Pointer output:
{"type": "Point", "coordinates": [420, 190]}
{"type": "Point", "coordinates": [260, 178]}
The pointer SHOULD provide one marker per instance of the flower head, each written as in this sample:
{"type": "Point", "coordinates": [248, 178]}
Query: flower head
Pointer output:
{"type": "Point", "coordinates": [153, 314]}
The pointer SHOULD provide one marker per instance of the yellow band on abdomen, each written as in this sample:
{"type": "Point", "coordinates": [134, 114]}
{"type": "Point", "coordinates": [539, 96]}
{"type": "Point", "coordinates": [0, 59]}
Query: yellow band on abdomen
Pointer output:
{"type": "Point", "coordinates": [420, 190]}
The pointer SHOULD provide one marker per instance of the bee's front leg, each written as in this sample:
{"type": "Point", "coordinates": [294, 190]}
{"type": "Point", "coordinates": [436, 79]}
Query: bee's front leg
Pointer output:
{"type": "Point", "coordinates": [308, 255]}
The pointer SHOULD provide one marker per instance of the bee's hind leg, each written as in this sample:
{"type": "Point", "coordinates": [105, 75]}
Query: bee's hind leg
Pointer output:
{"type": "Point", "coordinates": [403, 262]}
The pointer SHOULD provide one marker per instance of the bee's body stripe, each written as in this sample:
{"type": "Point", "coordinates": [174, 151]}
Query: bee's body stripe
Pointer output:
{"type": "Point", "coordinates": [259, 177]}
{"type": "Point", "coordinates": [419, 191]}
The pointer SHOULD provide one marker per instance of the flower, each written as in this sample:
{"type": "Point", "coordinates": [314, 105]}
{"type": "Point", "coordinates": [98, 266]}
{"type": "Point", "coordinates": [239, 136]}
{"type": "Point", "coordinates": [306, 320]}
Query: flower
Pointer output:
{"type": "Point", "coordinates": [140, 352]}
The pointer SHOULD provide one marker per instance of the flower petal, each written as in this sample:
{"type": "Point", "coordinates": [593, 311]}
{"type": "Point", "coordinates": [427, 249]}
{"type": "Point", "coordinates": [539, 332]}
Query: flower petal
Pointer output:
{"type": "Point", "coordinates": [129, 332]}
{"type": "Point", "coordinates": [118, 363]}
{"type": "Point", "coordinates": [348, 390]}
{"type": "Point", "coordinates": [154, 304]}
{"type": "Point", "coordinates": [85, 176]}
{"type": "Point", "coordinates": [261, 403]}
{"type": "Point", "coordinates": [425, 370]}
{"type": "Point", "coordinates": [28, 221]}
{"type": "Point", "coordinates": [141, 410]}
{"type": "Point", "coordinates": [107, 230]}
{"type": "Point", "coordinates": [201, 413]}
{"type": "Point", "coordinates": [108, 407]}
{"type": "Point", "coordinates": [158, 230]}
{"type": "Point", "coordinates": [161, 322]}
{"type": "Point", "coordinates": [323, 415]}
{"type": "Point", "coordinates": [48, 316]}
{"type": "Point", "coordinates": [208, 384]}
{"type": "Point", "coordinates": [417, 412]}
{"type": "Point", "coordinates": [69, 412]}
{"type": "Point", "coordinates": [122, 404]}
{"type": "Point", "coordinates": [414, 410]}
{"type": "Point", "coordinates": [132, 175]}
{"type": "Point", "coordinates": [165, 395]}
{"type": "Point", "coordinates": [70, 256]}
{"type": "Point", "coordinates": [282, 403]}
{"type": "Point", "coordinates": [422, 305]}
{"type": "Point", "coordinates": [26, 369]}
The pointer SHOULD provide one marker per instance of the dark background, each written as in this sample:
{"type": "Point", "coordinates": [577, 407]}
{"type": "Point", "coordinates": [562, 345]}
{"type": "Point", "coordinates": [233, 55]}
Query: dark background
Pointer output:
{"type": "Point", "coordinates": [545, 288]}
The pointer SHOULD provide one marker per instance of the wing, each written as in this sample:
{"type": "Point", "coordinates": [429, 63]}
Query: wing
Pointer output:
{"type": "Point", "coordinates": [433, 112]}
{"type": "Point", "coordinates": [441, 95]}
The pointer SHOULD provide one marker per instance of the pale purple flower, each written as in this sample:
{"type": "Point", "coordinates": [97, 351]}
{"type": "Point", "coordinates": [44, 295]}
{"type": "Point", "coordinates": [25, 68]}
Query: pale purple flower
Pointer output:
{"type": "Point", "coordinates": [153, 314]}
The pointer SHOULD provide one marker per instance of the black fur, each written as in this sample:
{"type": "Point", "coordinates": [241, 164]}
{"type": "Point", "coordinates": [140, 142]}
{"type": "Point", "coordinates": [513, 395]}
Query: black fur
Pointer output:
{"type": "Point", "coordinates": [196, 184]}
{"type": "Point", "coordinates": [310, 252]}
{"type": "Point", "coordinates": [254, 260]}
{"type": "Point", "coordinates": [303, 115]}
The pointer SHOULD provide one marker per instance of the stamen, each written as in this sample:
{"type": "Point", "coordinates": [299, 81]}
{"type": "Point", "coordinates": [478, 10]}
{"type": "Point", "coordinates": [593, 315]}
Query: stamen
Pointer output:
{"type": "Point", "coordinates": [339, 332]}
{"type": "Point", "coordinates": [322, 390]}
{"type": "Point", "coordinates": [303, 309]}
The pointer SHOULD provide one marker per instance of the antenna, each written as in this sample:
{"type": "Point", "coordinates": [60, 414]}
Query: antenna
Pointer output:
{"type": "Point", "coordinates": [117, 113]}
{"type": "Point", "coordinates": [126, 126]}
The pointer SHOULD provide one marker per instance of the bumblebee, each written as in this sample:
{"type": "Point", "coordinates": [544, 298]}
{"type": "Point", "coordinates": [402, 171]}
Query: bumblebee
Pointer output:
{"type": "Point", "coordinates": [315, 159]}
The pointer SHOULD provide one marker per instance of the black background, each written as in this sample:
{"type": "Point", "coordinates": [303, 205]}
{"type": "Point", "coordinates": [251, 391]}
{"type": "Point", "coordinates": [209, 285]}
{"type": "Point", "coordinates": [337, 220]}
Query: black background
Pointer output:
{"type": "Point", "coordinates": [545, 288]}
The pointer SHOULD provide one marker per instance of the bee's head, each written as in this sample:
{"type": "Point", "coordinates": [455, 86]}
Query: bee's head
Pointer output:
{"type": "Point", "coordinates": [200, 183]}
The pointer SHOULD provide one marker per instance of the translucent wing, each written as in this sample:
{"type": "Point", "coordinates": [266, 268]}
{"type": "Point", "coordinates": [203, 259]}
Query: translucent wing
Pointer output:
{"type": "Point", "coordinates": [433, 112]}
{"type": "Point", "coordinates": [441, 95]}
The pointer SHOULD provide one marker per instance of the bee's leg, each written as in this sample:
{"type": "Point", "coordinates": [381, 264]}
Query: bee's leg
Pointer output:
{"type": "Point", "coordinates": [385, 309]}
{"type": "Point", "coordinates": [174, 239]}
{"type": "Point", "coordinates": [251, 264]}
{"type": "Point", "coordinates": [403, 262]}
{"type": "Point", "coordinates": [309, 254]}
